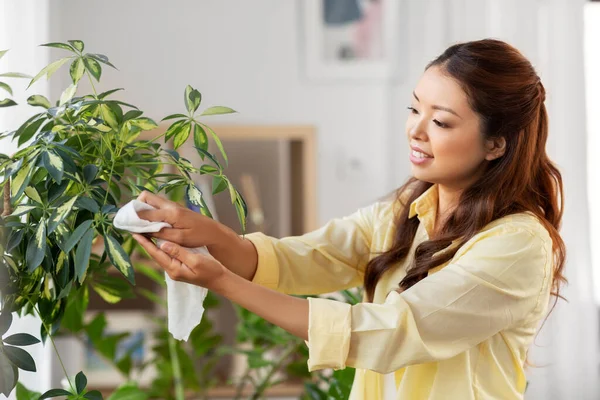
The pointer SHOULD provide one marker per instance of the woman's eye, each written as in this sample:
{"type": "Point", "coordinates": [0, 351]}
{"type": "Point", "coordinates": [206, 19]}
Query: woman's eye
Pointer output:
{"type": "Point", "coordinates": [440, 124]}
{"type": "Point", "coordinates": [412, 110]}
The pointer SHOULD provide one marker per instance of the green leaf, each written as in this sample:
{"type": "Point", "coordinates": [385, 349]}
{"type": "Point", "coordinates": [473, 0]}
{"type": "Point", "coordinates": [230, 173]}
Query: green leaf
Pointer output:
{"type": "Point", "coordinates": [208, 169]}
{"type": "Point", "coordinates": [20, 210]}
{"type": "Point", "coordinates": [59, 45]}
{"type": "Point", "coordinates": [218, 110]}
{"type": "Point", "coordinates": [82, 254]}
{"type": "Point", "coordinates": [88, 204]}
{"type": "Point", "coordinates": [128, 392]}
{"type": "Point", "coordinates": [55, 393]}
{"type": "Point", "coordinates": [49, 70]}
{"type": "Point", "coordinates": [194, 195]}
{"type": "Point", "coordinates": [144, 123]}
{"type": "Point", "coordinates": [54, 165]}
{"type": "Point", "coordinates": [29, 130]}
{"type": "Point", "coordinates": [109, 116]}
{"type": "Point", "coordinates": [21, 339]}
{"type": "Point", "coordinates": [151, 273]}
{"type": "Point", "coordinates": [3, 52]}
{"type": "Point", "coordinates": [20, 358]}
{"type": "Point", "coordinates": [68, 94]}
{"type": "Point", "coordinates": [217, 142]}
{"type": "Point", "coordinates": [203, 153]}
{"type": "Point", "coordinates": [7, 103]}
{"type": "Point", "coordinates": [119, 257]}
{"type": "Point", "coordinates": [174, 129]}
{"type": "Point", "coordinates": [8, 379]}
{"type": "Point", "coordinates": [5, 322]}
{"type": "Point", "coordinates": [89, 172]}
{"type": "Point", "coordinates": [219, 184]}
{"type": "Point", "coordinates": [132, 114]}
{"type": "Point", "coordinates": [182, 135]}
{"type": "Point", "coordinates": [108, 93]}
{"type": "Point", "coordinates": [77, 304]}
{"type": "Point", "coordinates": [192, 99]}
{"type": "Point", "coordinates": [102, 58]}
{"type": "Point", "coordinates": [242, 213]}
{"type": "Point", "coordinates": [80, 382]}
{"type": "Point", "coordinates": [39, 100]}
{"type": "Point", "coordinates": [77, 44]}
{"type": "Point", "coordinates": [93, 395]}
{"type": "Point", "coordinates": [21, 180]}
{"type": "Point", "coordinates": [15, 238]}
{"type": "Point", "coordinates": [33, 194]}
{"type": "Point", "coordinates": [112, 288]}
{"type": "Point", "coordinates": [77, 235]}
{"type": "Point", "coordinates": [25, 394]}
{"type": "Point", "coordinates": [60, 213]}
{"type": "Point", "coordinates": [6, 87]}
{"type": "Point", "coordinates": [200, 137]}
{"type": "Point", "coordinates": [93, 67]}
{"type": "Point", "coordinates": [76, 70]}
{"type": "Point", "coordinates": [14, 75]}
{"type": "Point", "coordinates": [172, 116]}
{"type": "Point", "coordinates": [36, 249]}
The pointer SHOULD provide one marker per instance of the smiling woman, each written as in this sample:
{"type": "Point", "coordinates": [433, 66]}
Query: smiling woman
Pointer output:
{"type": "Point", "coordinates": [458, 269]}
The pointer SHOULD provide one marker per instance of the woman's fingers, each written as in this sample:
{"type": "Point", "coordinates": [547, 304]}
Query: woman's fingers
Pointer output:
{"type": "Point", "coordinates": [173, 266]}
{"type": "Point", "coordinates": [156, 201]}
{"type": "Point", "coordinates": [188, 259]}
{"type": "Point", "coordinates": [154, 215]}
{"type": "Point", "coordinates": [160, 256]}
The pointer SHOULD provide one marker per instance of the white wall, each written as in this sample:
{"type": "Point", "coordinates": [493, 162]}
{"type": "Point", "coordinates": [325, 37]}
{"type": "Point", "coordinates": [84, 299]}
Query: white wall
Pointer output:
{"type": "Point", "coordinates": [592, 65]}
{"type": "Point", "coordinates": [244, 54]}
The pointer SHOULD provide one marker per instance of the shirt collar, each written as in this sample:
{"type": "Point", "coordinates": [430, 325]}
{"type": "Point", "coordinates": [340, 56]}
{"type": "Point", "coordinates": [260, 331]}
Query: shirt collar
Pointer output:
{"type": "Point", "coordinates": [426, 204]}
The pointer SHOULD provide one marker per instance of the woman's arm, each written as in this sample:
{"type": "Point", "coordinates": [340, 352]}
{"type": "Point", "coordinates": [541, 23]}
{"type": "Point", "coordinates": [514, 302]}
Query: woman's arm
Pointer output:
{"type": "Point", "coordinates": [500, 279]}
{"type": "Point", "coordinates": [290, 313]}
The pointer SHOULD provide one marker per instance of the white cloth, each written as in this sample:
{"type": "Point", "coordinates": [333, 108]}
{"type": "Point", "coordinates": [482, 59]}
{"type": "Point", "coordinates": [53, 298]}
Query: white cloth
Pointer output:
{"type": "Point", "coordinates": [184, 300]}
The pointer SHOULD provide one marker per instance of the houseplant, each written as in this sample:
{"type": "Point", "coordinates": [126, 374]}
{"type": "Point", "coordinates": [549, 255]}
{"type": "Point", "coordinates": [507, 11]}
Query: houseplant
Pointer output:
{"type": "Point", "coordinates": [82, 160]}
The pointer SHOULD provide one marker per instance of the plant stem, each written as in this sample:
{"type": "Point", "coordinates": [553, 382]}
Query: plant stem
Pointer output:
{"type": "Point", "coordinates": [49, 333]}
{"type": "Point", "coordinates": [91, 83]}
{"type": "Point", "coordinates": [7, 208]}
{"type": "Point", "coordinates": [177, 378]}
{"type": "Point", "coordinates": [262, 386]}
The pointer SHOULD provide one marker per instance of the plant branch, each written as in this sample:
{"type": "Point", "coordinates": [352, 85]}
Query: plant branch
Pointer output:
{"type": "Point", "coordinates": [7, 210]}
{"type": "Point", "coordinates": [177, 378]}
{"type": "Point", "coordinates": [262, 386]}
{"type": "Point", "coordinates": [49, 333]}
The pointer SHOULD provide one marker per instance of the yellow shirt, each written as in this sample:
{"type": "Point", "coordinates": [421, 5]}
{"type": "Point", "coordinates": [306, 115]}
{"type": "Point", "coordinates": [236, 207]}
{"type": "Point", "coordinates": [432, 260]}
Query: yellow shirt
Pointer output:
{"type": "Point", "coordinates": [461, 333]}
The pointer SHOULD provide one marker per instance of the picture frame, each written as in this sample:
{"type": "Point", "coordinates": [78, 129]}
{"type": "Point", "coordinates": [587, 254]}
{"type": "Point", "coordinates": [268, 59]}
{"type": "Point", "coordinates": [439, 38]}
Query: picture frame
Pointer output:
{"type": "Point", "coordinates": [352, 39]}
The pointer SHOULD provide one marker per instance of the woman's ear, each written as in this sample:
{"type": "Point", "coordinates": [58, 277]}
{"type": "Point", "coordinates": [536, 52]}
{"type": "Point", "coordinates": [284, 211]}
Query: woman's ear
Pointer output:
{"type": "Point", "coordinates": [495, 148]}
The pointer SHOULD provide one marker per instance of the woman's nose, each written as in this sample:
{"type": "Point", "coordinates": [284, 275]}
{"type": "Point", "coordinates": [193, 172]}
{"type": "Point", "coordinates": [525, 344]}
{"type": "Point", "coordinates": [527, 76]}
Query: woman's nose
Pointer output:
{"type": "Point", "coordinates": [417, 130]}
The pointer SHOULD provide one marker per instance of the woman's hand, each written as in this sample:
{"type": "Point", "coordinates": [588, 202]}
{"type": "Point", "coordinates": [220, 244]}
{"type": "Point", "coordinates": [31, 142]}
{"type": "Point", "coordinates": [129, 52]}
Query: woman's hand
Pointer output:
{"type": "Point", "coordinates": [189, 228]}
{"type": "Point", "coordinates": [183, 265]}
{"type": "Point", "coordinates": [288, 312]}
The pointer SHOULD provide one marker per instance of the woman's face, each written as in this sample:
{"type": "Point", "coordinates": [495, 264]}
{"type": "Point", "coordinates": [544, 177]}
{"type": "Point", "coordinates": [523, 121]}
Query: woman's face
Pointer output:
{"type": "Point", "coordinates": [446, 143]}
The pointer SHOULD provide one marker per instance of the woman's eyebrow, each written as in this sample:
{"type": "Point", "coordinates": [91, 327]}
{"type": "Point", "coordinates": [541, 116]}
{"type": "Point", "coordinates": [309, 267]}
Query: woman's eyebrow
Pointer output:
{"type": "Point", "coordinates": [441, 108]}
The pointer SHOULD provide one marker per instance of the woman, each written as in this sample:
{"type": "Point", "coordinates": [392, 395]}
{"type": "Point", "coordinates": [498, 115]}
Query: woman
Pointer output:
{"type": "Point", "coordinates": [458, 269]}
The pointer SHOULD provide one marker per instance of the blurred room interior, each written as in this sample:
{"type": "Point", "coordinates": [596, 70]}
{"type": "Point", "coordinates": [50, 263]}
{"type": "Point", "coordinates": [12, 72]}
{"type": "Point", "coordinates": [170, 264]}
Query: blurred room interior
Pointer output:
{"type": "Point", "coordinates": [320, 125]}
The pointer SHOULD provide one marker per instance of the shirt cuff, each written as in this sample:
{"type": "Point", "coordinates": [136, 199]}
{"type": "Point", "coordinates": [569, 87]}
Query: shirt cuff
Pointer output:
{"type": "Point", "coordinates": [329, 328]}
{"type": "Point", "coordinates": [267, 270]}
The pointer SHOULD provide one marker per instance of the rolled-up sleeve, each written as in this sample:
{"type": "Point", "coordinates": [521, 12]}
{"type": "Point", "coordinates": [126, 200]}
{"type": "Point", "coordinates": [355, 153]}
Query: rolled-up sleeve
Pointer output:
{"type": "Point", "coordinates": [497, 279]}
{"type": "Point", "coordinates": [326, 260]}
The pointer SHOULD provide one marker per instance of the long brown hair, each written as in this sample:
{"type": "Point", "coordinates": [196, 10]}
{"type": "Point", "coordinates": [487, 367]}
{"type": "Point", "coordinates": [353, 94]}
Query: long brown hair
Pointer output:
{"type": "Point", "coordinates": [507, 94]}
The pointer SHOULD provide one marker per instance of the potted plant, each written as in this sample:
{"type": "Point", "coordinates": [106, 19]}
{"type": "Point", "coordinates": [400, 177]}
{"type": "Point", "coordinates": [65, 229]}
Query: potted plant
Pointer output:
{"type": "Point", "coordinates": [79, 158]}
{"type": "Point", "coordinates": [83, 158]}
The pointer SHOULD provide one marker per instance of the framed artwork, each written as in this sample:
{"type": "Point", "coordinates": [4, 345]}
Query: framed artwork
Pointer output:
{"type": "Point", "coordinates": [352, 39]}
